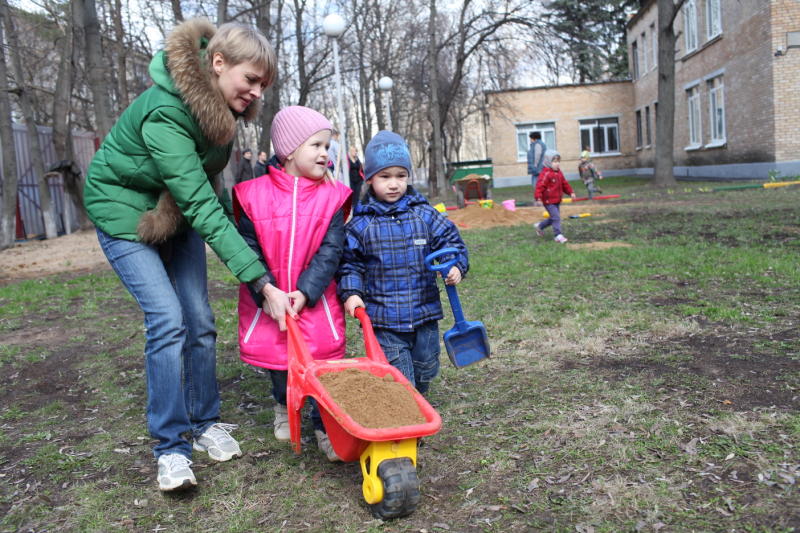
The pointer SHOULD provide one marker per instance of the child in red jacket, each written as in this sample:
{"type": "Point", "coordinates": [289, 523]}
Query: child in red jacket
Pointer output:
{"type": "Point", "coordinates": [550, 186]}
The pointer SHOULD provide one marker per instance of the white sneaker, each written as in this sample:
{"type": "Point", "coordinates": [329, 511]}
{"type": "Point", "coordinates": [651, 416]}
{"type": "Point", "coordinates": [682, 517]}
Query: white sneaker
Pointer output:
{"type": "Point", "coordinates": [325, 446]}
{"type": "Point", "coordinates": [217, 441]}
{"type": "Point", "coordinates": [281, 423]}
{"type": "Point", "coordinates": [174, 472]}
{"type": "Point", "coordinates": [538, 229]}
{"type": "Point", "coordinates": [560, 239]}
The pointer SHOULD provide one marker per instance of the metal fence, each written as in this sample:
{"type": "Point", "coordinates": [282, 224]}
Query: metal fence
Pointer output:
{"type": "Point", "coordinates": [28, 202]}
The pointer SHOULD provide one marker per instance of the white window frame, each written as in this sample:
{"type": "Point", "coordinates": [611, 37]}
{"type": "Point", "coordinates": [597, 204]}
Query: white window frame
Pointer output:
{"type": "Point", "coordinates": [648, 136]}
{"type": "Point", "coordinates": [635, 60]}
{"type": "Point", "coordinates": [694, 120]}
{"type": "Point", "coordinates": [595, 123]}
{"type": "Point", "coordinates": [716, 111]}
{"type": "Point", "coordinates": [654, 44]}
{"type": "Point", "coordinates": [713, 18]}
{"type": "Point", "coordinates": [645, 58]}
{"type": "Point", "coordinates": [690, 25]}
{"type": "Point", "coordinates": [528, 127]}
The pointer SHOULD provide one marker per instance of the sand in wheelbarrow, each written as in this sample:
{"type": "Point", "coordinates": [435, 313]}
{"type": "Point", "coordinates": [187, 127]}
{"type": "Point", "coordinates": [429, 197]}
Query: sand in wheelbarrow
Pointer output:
{"type": "Point", "coordinates": [372, 401]}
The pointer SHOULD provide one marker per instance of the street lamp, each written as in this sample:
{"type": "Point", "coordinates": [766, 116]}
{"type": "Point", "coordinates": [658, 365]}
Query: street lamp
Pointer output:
{"type": "Point", "coordinates": [333, 25]}
{"type": "Point", "coordinates": [385, 84]}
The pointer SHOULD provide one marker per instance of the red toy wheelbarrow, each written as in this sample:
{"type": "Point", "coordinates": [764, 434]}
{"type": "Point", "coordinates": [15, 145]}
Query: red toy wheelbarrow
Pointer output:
{"type": "Point", "coordinates": [388, 456]}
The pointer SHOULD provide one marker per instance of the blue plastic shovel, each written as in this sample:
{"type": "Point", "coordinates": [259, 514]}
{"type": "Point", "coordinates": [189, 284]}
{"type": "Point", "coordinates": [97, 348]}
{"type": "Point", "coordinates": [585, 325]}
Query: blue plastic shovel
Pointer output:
{"type": "Point", "coordinates": [466, 342]}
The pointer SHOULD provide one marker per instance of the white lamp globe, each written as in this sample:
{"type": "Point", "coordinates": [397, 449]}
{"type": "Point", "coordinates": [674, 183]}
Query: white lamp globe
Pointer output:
{"type": "Point", "coordinates": [333, 25]}
{"type": "Point", "coordinates": [385, 83]}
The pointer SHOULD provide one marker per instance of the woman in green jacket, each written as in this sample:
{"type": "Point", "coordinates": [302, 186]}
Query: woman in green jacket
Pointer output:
{"type": "Point", "coordinates": [150, 193]}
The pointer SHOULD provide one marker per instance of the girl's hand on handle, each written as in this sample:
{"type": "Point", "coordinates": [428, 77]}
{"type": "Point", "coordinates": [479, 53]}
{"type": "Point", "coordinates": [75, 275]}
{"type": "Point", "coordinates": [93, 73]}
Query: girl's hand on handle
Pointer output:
{"type": "Point", "coordinates": [572, 196]}
{"type": "Point", "coordinates": [276, 305]}
{"type": "Point", "coordinates": [352, 303]}
{"type": "Point", "coordinates": [453, 277]}
{"type": "Point", "coordinates": [298, 300]}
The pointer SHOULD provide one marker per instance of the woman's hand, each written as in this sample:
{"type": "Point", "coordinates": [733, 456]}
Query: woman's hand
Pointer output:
{"type": "Point", "coordinates": [352, 303]}
{"type": "Point", "coordinates": [453, 276]}
{"type": "Point", "coordinates": [276, 305]}
{"type": "Point", "coordinates": [298, 300]}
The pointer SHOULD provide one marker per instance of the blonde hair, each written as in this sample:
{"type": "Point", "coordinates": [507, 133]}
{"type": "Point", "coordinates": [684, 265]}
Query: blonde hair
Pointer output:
{"type": "Point", "coordinates": [240, 43]}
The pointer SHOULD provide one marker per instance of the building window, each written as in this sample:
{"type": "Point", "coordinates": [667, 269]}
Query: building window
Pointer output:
{"type": "Point", "coordinates": [635, 60]}
{"type": "Point", "coordinates": [713, 18]}
{"type": "Point", "coordinates": [645, 58]}
{"type": "Point", "coordinates": [654, 38]}
{"type": "Point", "coordinates": [548, 131]}
{"type": "Point", "coordinates": [600, 135]}
{"type": "Point", "coordinates": [690, 25]}
{"type": "Point", "coordinates": [647, 125]}
{"type": "Point", "coordinates": [693, 106]}
{"type": "Point", "coordinates": [716, 108]}
{"type": "Point", "coordinates": [639, 129]}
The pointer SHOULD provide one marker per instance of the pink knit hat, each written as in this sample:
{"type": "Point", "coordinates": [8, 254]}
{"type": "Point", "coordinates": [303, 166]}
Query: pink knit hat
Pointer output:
{"type": "Point", "coordinates": [292, 126]}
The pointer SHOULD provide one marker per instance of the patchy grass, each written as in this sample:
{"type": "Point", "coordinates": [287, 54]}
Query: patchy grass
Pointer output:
{"type": "Point", "coordinates": [650, 387]}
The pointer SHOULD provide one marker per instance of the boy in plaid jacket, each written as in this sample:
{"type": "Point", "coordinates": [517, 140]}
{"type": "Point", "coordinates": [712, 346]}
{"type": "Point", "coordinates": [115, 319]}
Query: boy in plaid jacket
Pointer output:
{"type": "Point", "coordinates": [383, 267]}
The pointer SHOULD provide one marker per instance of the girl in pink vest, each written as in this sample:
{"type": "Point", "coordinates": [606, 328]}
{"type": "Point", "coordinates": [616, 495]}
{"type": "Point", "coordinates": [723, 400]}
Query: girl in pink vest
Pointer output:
{"type": "Point", "coordinates": [293, 218]}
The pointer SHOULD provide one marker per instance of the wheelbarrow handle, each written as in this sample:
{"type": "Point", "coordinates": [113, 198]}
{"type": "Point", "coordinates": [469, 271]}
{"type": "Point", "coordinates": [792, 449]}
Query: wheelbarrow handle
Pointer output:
{"type": "Point", "coordinates": [297, 346]}
{"type": "Point", "coordinates": [442, 268]}
{"type": "Point", "coordinates": [371, 344]}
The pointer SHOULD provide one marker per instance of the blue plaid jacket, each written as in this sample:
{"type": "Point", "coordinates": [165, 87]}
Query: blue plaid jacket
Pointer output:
{"type": "Point", "coordinates": [384, 260]}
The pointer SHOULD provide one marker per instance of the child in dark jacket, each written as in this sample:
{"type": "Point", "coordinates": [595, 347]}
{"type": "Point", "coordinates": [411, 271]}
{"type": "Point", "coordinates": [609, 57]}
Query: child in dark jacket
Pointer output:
{"type": "Point", "coordinates": [550, 187]}
{"type": "Point", "coordinates": [383, 267]}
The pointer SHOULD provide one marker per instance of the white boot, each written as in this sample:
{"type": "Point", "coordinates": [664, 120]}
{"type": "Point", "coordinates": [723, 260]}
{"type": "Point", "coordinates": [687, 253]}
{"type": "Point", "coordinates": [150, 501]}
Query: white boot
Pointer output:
{"type": "Point", "coordinates": [281, 423]}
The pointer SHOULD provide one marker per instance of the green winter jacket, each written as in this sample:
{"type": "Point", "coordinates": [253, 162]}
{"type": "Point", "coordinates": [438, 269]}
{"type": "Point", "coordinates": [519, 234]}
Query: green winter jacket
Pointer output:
{"type": "Point", "coordinates": [152, 176]}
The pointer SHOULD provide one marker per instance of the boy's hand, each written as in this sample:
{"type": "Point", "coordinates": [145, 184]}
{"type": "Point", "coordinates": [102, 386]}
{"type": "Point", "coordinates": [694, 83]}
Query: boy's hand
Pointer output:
{"type": "Point", "coordinates": [453, 276]}
{"type": "Point", "coordinates": [276, 305]}
{"type": "Point", "coordinates": [352, 303]}
{"type": "Point", "coordinates": [298, 300]}
{"type": "Point", "coordinates": [572, 196]}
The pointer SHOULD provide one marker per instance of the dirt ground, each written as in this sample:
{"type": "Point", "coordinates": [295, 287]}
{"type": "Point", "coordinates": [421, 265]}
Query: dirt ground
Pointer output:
{"type": "Point", "coordinates": [80, 252]}
{"type": "Point", "coordinates": [76, 252]}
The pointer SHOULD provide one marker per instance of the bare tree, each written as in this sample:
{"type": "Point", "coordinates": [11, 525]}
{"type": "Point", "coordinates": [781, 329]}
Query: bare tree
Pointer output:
{"type": "Point", "coordinates": [9, 191]}
{"type": "Point", "coordinates": [36, 154]}
{"type": "Point", "coordinates": [97, 71]}
{"type": "Point", "coordinates": [177, 11]}
{"type": "Point", "coordinates": [121, 55]}
{"type": "Point", "coordinates": [665, 112]}
{"type": "Point", "coordinates": [436, 176]}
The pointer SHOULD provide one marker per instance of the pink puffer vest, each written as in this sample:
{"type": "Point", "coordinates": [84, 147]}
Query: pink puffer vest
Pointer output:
{"type": "Point", "coordinates": [291, 216]}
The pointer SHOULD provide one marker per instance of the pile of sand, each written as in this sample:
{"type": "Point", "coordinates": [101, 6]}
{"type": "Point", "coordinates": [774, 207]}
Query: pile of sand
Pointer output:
{"type": "Point", "coordinates": [476, 217]}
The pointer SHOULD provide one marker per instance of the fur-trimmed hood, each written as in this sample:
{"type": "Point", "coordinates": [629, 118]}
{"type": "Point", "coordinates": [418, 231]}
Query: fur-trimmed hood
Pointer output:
{"type": "Point", "coordinates": [182, 68]}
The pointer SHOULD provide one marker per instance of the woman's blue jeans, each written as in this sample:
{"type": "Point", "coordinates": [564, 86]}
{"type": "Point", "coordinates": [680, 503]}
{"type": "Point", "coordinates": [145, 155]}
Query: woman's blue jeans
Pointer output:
{"type": "Point", "coordinates": [180, 346]}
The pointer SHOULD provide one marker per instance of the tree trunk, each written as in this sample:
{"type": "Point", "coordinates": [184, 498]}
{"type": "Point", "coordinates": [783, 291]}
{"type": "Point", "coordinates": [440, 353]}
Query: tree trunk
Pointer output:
{"type": "Point", "coordinates": [122, 55]}
{"type": "Point", "coordinates": [665, 112]}
{"type": "Point", "coordinates": [9, 191]}
{"type": "Point", "coordinates": [436, 173]}
{"type": "Point", "coordinates": [96, 70]}
{"type": "Point", "coordinates": [272, 94]}
{"type": "Point", "coordinates": [62, 125]}
{"type": "Point", "coordinates": [177, 11]}
{"type": "Point", "coordinates": [34, 146]}
{"type": "Point", "coordinates": [222, 12]}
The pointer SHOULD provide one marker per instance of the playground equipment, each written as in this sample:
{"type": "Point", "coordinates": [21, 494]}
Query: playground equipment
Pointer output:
{"type": "Point", "coordinates": [388, 456]}
{"type": "Point", "coordinates": [466, 342]}
{"type": "Point", "coordinates": [768, 185]}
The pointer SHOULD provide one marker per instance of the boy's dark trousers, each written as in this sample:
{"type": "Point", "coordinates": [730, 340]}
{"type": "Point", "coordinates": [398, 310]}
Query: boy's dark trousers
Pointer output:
{"type": "Point", "coordinates": [414, 353]}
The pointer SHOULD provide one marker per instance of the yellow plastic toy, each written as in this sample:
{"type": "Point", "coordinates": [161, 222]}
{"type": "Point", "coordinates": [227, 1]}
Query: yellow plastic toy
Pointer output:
{"type": "Point", "coordinates": [440, 207]}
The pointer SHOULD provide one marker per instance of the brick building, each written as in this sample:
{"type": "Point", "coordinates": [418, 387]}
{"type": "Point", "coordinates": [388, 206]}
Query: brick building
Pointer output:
{"type": "Point", "coordinates": [737, 99]}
